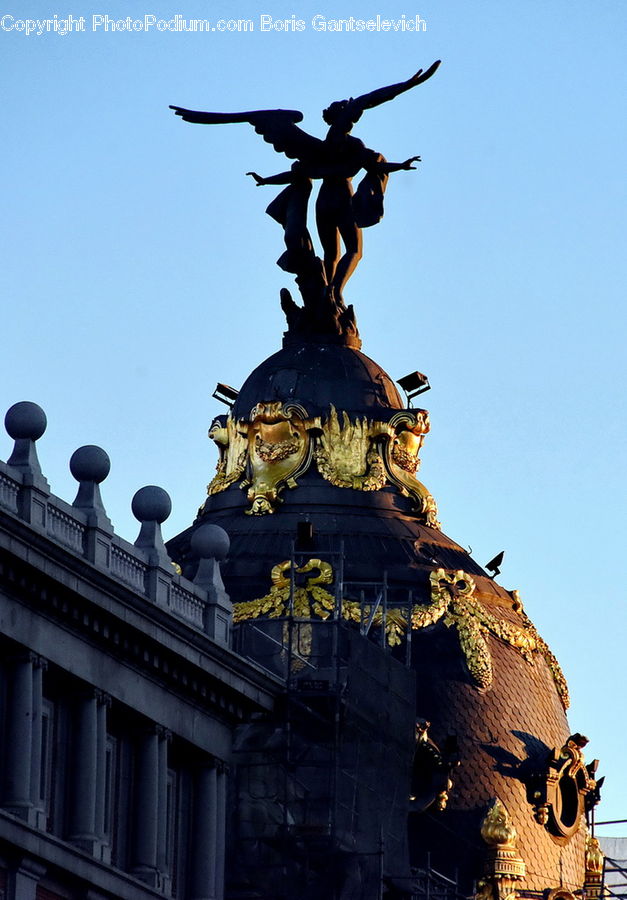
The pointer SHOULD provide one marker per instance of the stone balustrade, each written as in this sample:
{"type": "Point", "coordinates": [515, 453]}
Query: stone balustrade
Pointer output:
{"type": "Point", "coordinates": [84, 529]}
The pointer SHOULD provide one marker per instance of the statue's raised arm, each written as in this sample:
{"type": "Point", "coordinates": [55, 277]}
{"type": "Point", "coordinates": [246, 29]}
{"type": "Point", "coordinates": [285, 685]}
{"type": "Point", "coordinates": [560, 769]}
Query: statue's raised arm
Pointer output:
{"type": "Point", "coordinates": [382, 95]}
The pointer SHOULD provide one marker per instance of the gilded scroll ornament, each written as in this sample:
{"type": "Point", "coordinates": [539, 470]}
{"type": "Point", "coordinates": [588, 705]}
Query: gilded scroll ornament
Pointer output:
{"type": "Point", "coordinates": [406, 435]}
{"type": "Point", "coordinates": [347, 454]}
{"type": "Point", "coordinates": [504, 868]}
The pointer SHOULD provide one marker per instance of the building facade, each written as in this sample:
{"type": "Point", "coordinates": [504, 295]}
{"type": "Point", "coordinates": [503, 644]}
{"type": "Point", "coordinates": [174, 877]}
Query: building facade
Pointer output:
{"type": "Point", "coordinates": [120, 694]}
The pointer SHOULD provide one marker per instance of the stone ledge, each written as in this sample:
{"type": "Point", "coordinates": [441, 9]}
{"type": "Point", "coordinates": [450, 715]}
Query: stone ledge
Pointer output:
{"type": "Point", "coordinates": [50, 851]}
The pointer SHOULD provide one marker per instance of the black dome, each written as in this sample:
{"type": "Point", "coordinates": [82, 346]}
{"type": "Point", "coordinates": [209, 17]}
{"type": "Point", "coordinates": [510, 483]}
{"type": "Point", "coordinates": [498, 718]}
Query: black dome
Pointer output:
{"type": "Point", "coordinates": [318, 375]}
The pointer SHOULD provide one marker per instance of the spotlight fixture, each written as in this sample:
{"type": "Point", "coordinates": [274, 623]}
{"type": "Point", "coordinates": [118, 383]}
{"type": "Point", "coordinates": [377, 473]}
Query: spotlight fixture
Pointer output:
{"type": "Point", "coordinates": [225, 394]}
{"type": "Point", "coordinates": [493, 565]}
{"type": "Point", "coordinates": [414, 384]}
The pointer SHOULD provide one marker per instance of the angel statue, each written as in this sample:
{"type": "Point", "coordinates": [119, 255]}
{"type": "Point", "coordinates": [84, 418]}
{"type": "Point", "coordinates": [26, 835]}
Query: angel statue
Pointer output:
{"type": "Point", "coordinates": [340, 213]}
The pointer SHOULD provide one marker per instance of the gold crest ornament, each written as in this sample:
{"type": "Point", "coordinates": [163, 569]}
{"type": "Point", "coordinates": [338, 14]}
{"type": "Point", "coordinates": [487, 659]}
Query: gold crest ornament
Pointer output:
{"type": "Point", "coordinates": [279, 449]}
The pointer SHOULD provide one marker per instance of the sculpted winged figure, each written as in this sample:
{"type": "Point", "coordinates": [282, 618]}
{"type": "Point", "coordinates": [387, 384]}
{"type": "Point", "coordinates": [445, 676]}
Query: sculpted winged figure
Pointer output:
{"type": "Point", "coordinates": [341, 213]}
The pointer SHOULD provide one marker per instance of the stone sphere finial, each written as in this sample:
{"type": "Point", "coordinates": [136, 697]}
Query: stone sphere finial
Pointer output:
{"type": "Point", "coordinates": [151, 504]}
{"type": "Point", "coordinates": [210, 542]}
{"type": "Point", "coordinates": [90, 463]}
{"type": "Point", "coordinates": [25, 420]}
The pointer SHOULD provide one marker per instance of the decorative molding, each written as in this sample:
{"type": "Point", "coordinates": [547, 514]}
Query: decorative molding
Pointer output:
{"type": "Point", "coordinates": [268, 452]}
{"type": "Point", "coordinates": [119, 640]}
{"type": "Point", "coordinates": [9, 490]}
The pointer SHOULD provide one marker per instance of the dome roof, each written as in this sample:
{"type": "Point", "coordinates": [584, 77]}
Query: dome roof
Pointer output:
{"type": "Point", "coordinates": [317, 375]}
{"type": "Point", "coordinates": [350, 474]}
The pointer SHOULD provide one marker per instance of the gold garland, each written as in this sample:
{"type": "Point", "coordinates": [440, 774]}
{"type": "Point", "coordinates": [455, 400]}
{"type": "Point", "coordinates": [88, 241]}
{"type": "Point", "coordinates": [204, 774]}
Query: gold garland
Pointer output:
{"type": "Point", "coordinates": [452, 602]}
{"type": "Point", "coordinates": [309, 600]}
{"type": "Point", "coordinates": [407, 461]}
{"type": "Point", "coordinates": [544, 649]}
{"type": "Point", "coordinates": [395, 619]}
{"type": "Point", "coordinates": [274, 452]}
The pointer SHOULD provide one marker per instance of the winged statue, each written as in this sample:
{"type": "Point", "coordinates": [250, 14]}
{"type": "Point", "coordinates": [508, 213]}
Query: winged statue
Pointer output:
{"type": "Point", "coordinates": [341, 213]}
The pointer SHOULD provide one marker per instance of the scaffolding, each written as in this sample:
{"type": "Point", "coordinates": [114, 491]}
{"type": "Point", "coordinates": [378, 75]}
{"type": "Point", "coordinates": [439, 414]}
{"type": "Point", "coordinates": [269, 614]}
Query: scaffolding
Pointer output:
{"type": "Point", "coordinates": [429, 884]}
{"type": "Point", "coordinates": [614, 882]}
{"type": "Point", "coordinates": [375, 599]}
{"type": "Point", "coordinates": [341, 795]}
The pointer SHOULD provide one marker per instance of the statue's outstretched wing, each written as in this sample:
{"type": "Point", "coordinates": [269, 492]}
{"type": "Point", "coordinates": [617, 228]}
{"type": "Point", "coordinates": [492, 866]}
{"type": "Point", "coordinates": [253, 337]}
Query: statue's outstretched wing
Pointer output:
{"type": "Point", "coordinates": [276, 126]}
{"type": "Point", "coordinates": [356, 106]}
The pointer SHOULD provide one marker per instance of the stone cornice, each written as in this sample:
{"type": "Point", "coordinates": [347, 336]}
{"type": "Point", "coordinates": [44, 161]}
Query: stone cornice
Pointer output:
{"type": "Point", "coordinates": [74, 594]}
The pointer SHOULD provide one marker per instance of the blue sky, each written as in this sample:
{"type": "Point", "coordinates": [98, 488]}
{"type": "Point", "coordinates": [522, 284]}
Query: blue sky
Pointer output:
{"type": "Point", "coordinates": [139, 271]}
